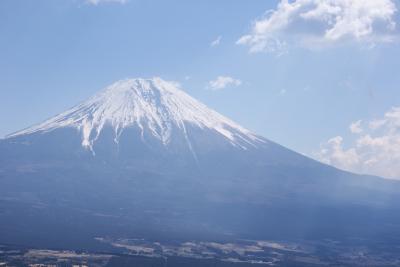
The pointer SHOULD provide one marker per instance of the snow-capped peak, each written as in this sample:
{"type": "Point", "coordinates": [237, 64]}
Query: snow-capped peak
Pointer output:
{"type": "Point", "coordinates": [153, 105]}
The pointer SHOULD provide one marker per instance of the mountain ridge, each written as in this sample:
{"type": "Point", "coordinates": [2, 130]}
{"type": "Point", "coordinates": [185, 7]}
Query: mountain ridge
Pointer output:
{"type": "Point", "coordinates": [153, 105]}
{"type": "Point", "coordinates": [210, 178]}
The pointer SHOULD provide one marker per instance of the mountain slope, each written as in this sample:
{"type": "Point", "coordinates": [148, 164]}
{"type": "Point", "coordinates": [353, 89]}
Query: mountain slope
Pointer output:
{"type": "Point", "coordinates": [153, 105]}
{"type": "Point", "coordinates": [143, 158]}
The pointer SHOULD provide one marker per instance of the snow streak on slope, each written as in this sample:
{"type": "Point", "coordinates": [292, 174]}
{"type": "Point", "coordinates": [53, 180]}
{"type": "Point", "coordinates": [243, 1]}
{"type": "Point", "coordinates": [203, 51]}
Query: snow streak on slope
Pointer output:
{"type": "Point", "coordinates": [153, 105]}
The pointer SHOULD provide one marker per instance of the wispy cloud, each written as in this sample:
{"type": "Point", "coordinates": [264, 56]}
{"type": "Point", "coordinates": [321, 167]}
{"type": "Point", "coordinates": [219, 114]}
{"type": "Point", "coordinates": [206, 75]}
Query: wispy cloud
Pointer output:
{"type": "Point", "coordinates": [317, 23]}
{"type": "Point", "coordinates": [97, 2]}
{"type": "Point", "coordinates": [355, 127]}
{"type": "Point", "coordinates": [216, 42]}
{"type": "Point", "coordinates": [222, 82]}
{"type": "Point", "coordinates": [376, 149]}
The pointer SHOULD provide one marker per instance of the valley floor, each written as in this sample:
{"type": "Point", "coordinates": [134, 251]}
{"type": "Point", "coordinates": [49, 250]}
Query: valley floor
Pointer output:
{"type": "Point", "coordinates": [243, 253]}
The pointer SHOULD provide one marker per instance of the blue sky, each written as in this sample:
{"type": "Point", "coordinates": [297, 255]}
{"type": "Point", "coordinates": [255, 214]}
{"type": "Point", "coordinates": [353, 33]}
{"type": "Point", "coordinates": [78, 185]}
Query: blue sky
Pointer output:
{"type": "Point", "coordinates": [309, 78]}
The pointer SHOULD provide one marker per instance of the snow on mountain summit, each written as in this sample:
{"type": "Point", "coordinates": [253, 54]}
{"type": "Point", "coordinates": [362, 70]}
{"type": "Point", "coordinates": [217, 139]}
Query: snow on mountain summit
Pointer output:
{"type": "Point", "coordinates": [153, 105]}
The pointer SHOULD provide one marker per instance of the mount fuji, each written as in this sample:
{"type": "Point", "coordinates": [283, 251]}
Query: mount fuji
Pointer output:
{"type": "Point", "coordinates": [143, 158]}
{"type": "Point", "coordinates": [156, 107]}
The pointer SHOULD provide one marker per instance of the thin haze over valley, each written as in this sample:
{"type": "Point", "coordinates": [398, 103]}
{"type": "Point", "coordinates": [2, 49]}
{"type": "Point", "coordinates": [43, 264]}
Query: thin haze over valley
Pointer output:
{"type": "Point", "coordinates": [199, 133]}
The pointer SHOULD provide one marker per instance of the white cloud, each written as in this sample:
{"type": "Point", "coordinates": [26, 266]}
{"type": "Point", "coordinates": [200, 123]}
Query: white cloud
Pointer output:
{"type": "Point", "coordinates": [216, 42]}
{"type": "Point", "coordinates": [96, 2]}
{"type": "Point", "coordinates": [322, 22]}
{"type": "Point", "coordinates": [376, 151]}
{"type": "Point", "coordinates": [222, 82]}
{"type": "Point", "coordinates": [355, 127]}
{"type": "Point", "coordinates": [376, 124]}
{"type": "Point", "coordinates": [334, 154]}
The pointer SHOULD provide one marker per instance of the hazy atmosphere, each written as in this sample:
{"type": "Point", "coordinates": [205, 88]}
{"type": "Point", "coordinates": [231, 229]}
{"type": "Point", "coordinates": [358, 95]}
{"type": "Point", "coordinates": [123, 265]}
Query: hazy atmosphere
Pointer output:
{"type": "Point", "coordinates": [318, 78]}
{"type": "Point", "coordinates": [171, 133]}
